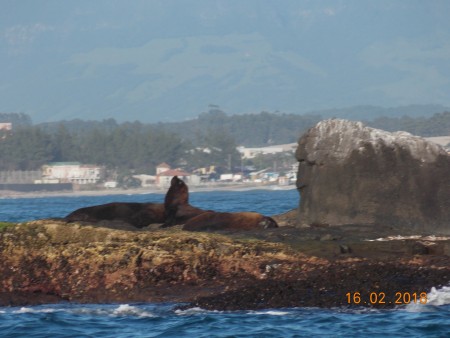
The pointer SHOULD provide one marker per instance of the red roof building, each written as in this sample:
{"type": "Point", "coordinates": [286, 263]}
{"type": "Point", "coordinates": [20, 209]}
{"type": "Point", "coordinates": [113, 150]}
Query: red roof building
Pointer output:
{"type": "Point", "coordinates": [162, 167]}
{"type": "Point", "coordinates": [163, 179]}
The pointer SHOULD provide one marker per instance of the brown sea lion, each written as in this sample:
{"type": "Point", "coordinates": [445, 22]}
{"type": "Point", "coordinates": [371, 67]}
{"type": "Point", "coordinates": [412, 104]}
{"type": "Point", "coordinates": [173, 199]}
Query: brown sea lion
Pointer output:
{"type": "Point", "coordinates": [176, 204]}
{"type": "Point", "coordinates": [178, 193]}
{"type": "Point", "coordinates": [136, 214]}
{"type": "Point", "coordinates": [217, 221]}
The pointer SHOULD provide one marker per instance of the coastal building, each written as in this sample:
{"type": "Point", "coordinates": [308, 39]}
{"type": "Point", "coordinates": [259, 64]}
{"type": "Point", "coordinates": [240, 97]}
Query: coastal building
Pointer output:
{"type": "Point", "coordinates": [162, 167]}
{"type": "Point", "coordinates": [6, 126]}
{"type": "Point", "coordinates": [283, 180]}
{"type": "Point", "coordinates": [164, 178]}
{"type": "Point", "coordinates": [73, 172]}
{"type": "Point", "coordinates": [206, 170]}
{"type": "Point", "coordinates": [164, 175]}
{"type": "Point", "coordinates": [252, 152]}
{"type": "Point", "coordinates": [230, 177]}
{"type": "Point", "coordinates": [110, 184]}
{"type": "Point", "coordinates": [146, 180]}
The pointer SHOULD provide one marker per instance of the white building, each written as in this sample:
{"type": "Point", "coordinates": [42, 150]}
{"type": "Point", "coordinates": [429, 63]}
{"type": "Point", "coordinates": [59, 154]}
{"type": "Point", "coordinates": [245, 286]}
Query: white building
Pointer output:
{"type": "Point", "coordinates": [5, 126]}
{"type": "Point", "coordinates": [252, 152]}
{"type": "Point", "coordinates": [146, 180]}
{"type": "Point", "coordinates": [73, 172]}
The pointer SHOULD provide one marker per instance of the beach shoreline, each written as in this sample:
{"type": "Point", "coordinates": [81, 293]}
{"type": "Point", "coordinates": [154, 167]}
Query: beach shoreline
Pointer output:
{"type": "Point", "coordinates": [7, 194]}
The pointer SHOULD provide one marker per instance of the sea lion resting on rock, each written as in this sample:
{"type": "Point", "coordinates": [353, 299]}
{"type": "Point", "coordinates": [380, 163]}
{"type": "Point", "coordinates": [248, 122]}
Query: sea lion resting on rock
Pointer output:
{"type": "Point", "coordinates": [176, 204]}
{"type": "Point", "coordinates": [216, 221]}
{"type": "Point", "coordinates": [175, 210]}
{"type": "Point", "coordinates": [136, 214]}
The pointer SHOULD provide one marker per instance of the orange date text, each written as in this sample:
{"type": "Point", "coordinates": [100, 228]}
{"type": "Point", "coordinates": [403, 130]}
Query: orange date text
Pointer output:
{"type": "Point", "coordinates": [374, 298]}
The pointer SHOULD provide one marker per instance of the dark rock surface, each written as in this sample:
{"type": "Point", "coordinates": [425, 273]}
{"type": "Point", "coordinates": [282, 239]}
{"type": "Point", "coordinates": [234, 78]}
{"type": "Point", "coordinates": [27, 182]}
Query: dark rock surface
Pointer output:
{"type": "Point", "coordinates": [49, 261]}
{"type": "Point", "coordinates": [352, 174]}
{"type": "Point", "coordinates": [378, 285]}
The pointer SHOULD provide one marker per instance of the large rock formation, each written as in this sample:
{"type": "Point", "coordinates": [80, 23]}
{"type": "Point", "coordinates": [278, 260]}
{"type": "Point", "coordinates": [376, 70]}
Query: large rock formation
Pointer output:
{"type": "Point", "coordinates": [352, 174]}
{"type": "Point", "coordinates": [50, 261]}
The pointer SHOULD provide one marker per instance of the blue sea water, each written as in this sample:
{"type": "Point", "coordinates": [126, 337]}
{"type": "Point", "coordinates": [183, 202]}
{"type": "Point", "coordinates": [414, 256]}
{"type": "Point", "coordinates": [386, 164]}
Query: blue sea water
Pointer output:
{"type": "Point", "coordinates": [162, 320]}
{"type": "Point", "coordinates": [268, 202]}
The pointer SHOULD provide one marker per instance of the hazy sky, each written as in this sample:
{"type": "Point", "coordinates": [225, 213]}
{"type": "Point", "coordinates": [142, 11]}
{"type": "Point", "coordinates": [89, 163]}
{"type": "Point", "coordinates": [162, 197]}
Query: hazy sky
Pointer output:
{"type": "Point", "coordinates": [167, 60]}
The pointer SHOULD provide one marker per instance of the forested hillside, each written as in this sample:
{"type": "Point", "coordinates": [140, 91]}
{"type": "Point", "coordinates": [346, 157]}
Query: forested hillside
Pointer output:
{"type": "Point", "coordinates": [436, 125]}
{"type": "Point", "coordinates": [128, 146]}
{"type": "Point", "coordinates": [256, 130]}
{"type": "Point", "coordinates": [210, 139]}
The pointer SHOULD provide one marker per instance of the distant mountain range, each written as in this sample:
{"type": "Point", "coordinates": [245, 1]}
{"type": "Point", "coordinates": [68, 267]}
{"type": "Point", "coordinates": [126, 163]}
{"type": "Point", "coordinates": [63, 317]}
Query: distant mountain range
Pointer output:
{"type": "Point", "coordinates": [165, 60]}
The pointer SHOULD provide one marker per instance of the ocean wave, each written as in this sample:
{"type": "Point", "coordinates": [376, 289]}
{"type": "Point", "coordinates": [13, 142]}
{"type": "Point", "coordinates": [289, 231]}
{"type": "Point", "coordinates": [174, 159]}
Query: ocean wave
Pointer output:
{"type": "Point", "coordinates": [128, 310]}
{"type": "Point", "coordinates": [430, 238]}
{"type": "Point", "coordinates": [269, 312]}
{"type": "Point", "coordinates": [124, 320]}
{"type": "Point", "coordinates": [34, 310]}
{"type": "Point", "coordinates": [436, 297]}
{"type": "Point", "coordinates": [194, 311]}
{"type": "Point", "coordinates": [123, 310]}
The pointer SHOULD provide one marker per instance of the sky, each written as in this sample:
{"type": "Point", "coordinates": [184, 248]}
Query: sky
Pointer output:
{"type": "Point", "coordinates": [167, 60]}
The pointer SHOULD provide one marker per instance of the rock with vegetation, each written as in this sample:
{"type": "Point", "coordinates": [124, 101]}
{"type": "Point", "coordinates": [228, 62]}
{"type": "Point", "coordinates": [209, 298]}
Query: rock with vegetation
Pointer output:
{"type": "Point", "coordinates": [54, 260]}
{"type": "Point", "coordinates": [49, 261]}
{"type": "Point", "coordinates": [352, 174]}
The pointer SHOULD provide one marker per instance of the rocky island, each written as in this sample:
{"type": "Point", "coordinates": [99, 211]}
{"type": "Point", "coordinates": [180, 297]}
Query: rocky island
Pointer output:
{"type": "Point", "coordinates": [359, 188]}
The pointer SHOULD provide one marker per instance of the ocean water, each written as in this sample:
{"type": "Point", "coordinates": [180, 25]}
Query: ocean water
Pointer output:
{"type": "Point", "coordinates": [268, 202]}
{"type": "Point", "coordinates": [163, 320]}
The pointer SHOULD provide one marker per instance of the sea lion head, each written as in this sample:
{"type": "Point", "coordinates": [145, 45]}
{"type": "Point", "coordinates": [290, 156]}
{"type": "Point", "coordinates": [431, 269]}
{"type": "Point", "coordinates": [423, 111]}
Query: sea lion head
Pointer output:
{"type": "Point", "coordinates": [174, 181]}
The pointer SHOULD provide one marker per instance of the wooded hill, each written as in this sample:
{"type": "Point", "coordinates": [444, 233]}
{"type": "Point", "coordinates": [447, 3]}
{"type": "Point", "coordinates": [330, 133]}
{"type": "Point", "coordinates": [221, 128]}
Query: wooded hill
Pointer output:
{"type": "Point", "coordinates": [210, 139]}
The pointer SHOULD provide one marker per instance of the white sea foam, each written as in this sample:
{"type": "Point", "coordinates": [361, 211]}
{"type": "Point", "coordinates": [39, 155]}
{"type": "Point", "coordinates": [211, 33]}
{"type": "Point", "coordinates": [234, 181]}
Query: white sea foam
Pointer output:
{"type": "Point", "coordinates": [194, 311]}
{"type": "Point", "coordinates": [436, 297]}
{"type": "Point", "coordinates": [270, 313]}
{"type": "Point", "coordinates": [90, 311]}
{"type": "Point", "coordinates": [32, 310]}
{"type": "Point", "coordinates": [122, 310]}
{"type": "Point", "coordinates": [431, 238]}
{"type": "Point", "coordinates": [128, 310]}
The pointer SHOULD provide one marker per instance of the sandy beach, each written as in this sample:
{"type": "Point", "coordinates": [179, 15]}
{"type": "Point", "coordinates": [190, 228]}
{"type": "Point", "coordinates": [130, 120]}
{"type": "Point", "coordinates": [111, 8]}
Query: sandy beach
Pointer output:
{"type": "Point", "coordinates": [147, 190]}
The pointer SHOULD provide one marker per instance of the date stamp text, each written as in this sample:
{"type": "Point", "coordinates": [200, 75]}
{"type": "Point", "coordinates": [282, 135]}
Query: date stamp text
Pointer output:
{"type": "Point", "coordinates": [375, 298]}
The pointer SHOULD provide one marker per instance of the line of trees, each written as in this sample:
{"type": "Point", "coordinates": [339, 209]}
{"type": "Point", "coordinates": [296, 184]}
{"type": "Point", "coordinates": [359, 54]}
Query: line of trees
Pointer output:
{"type": "Point", "coordinates": [263, 129]}
{"type": "Point", "coordinates": [211, 139]}
{"type": "Point", "coordinates": [129, 146]}
{"type": "Point", "coordinates": [436, 125]}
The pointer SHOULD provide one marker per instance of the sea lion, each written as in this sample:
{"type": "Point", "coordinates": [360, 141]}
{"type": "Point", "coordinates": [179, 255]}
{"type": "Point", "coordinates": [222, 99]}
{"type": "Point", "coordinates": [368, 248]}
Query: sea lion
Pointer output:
{"type": "Point", "coordinates": [176, 196]}
{"type": "Point", "coordinates": [176, 204]}
{"type": "Point", "coordinates": [217, 221]}
{"type": "Point", "coordinates": [137, 214]}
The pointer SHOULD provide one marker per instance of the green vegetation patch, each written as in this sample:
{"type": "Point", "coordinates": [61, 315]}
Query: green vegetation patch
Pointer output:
{"type": "Point", "coordinates": [4, 225]}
